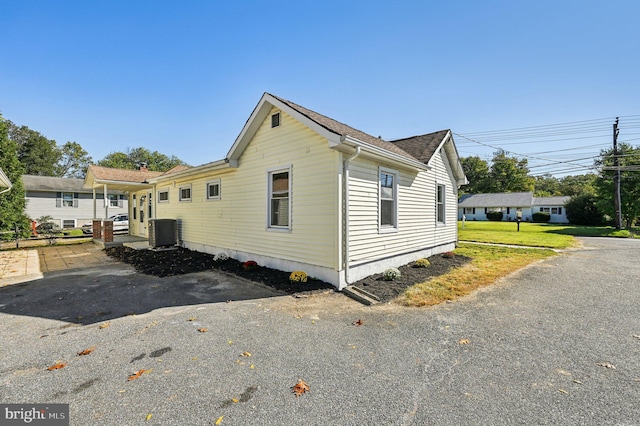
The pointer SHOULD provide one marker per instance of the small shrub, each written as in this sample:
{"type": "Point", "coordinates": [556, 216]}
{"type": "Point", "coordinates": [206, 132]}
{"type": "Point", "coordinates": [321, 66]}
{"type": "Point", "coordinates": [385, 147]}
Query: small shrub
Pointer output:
{"type": "Point", "coordinates": [298, 277]}
{"type": "Point", "coordinates": [495, 216]}
{"type": "Point", "coordinates": [250, 265]}
{"type": "Point", "coordinates": [220, 257]}
{"type": "Point", "coordinates": [422, 263]}
{"type": "Point", "coordinates": [541, 217]}
{"type": "Point", "coordinates": [449, 255]}
{"type": "Point", "coordinates": [391, 274]}
{"type": "Point", "coordinates": [48, 229]}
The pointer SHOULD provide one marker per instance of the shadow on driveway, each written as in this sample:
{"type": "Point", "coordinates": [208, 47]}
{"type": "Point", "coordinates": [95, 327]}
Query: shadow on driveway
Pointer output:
{"type": "Point", "coordinates": [97, 294]}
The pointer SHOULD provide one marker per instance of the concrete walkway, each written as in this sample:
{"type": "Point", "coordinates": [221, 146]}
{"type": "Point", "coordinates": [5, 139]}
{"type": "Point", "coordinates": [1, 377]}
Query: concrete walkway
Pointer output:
{"type": "Point", "coordinates": [17, 266]}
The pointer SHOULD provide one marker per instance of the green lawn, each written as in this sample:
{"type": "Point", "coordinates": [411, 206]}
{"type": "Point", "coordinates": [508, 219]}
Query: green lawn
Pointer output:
{"type": "Point", "coordinates": [532, 234]}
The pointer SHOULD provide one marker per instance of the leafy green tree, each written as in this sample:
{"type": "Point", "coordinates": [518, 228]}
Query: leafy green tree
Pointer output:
{"type": "Point", "coordinates": [629, 161]}
{"type": "Point", "coordinates": [578, 184]}
{"type": "Point", "coordinates": [73, 161]}
{"type": "Point", "coordinates": [582, 209]}
{"type": "Point", "coordinates": [12, 203]}
{"type": "Point", "coordinates": [477, 172]}
{"type": "Point", "coordinates": [547, 185]}
{"type": "Point", "coordinates": [508, 174]}
{"type": "Point", "coordinates": [134, 157]}
{"type": "Point", "coordinates": [37, 154]}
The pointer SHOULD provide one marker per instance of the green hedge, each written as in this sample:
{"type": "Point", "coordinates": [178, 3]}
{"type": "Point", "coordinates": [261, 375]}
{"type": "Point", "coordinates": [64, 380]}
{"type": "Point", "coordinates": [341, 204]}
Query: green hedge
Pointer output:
{"type": "Point", "coordinates": [541, 217]}
{"type": "Point", "coordinates": [495, 216]}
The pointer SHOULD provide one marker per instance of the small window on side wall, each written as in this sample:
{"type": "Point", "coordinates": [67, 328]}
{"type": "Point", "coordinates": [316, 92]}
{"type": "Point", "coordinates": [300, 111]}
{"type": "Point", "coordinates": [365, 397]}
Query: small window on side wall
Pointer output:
{"type": "Point", "coordinates": [440, 204]}
{"type": "Point", "coordinates": [213, 190]}
{"type": "Point", "coordinates": [163, 196]}
{"type": "Point", "coordinates": [275, 120]}
{"type": "Point", "coordinates": [279, 205]}
{"type": "Point", "coordinates": [185, 193]}
{"type": "Point", "coordinates": [388, 200]}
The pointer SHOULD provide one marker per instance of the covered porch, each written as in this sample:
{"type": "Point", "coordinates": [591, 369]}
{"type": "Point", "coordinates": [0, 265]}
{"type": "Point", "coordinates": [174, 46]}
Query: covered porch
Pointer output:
{"type": "Point", "coordinates": [131, 182]}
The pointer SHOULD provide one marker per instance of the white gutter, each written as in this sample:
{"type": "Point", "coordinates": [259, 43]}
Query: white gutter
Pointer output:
{"type": "Point", "coordinates": [383, 153]}
{"type": "Point", "coordinates": [345, 231]}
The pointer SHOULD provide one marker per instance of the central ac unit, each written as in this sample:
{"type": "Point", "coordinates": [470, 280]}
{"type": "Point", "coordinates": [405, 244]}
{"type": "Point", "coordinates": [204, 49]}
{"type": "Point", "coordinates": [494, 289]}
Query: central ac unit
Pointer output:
{"type": "Point", "coordinates": [163, 232]}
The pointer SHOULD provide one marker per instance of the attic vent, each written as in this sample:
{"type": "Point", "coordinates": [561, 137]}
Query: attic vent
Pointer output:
{"type": "Point", "coordinates": [275, 120]}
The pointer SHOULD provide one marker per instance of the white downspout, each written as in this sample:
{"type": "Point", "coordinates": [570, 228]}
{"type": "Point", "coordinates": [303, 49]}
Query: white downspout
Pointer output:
{"type": "Point", "coordinates": [345, 231]}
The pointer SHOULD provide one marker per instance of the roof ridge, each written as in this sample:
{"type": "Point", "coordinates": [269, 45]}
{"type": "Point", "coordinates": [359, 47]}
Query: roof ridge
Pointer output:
{"type": "Point", "coordinates": [334, 125]}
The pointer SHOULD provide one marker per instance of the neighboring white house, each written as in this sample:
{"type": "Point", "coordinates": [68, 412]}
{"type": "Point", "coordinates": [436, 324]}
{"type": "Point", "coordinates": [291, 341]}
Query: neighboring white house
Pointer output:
{"type": "Point", "coordinates": [68, 203]}
{"type": "Point", "coordinates": [301, 191]}
{"type": "Point", "coordinates": [5, 183]}
{"type": "Point", "coordinates": [512, 205]}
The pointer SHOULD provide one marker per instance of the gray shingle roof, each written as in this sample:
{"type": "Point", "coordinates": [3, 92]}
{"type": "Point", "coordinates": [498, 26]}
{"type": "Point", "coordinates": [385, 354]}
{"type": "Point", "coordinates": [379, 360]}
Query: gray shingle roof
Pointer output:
{"type": "Point", "coordinates": [504, 199]}
{"type": "Point", "coordinates": [345, 130]}
{"type": "Point", "coordinates": [422, 147]}
{"type": "Point", "coordinates": [551, 201]}
{"type": "Point", "coordinates": [50, 183]}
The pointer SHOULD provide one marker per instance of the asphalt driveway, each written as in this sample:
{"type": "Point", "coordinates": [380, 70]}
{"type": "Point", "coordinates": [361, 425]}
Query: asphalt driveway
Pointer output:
{"type": "Point", "coordinates": [556, 343]}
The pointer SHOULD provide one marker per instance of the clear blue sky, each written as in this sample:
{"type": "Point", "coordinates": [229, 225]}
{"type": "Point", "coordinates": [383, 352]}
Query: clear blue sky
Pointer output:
{"type": "Point", "coordinates": [182, 77]}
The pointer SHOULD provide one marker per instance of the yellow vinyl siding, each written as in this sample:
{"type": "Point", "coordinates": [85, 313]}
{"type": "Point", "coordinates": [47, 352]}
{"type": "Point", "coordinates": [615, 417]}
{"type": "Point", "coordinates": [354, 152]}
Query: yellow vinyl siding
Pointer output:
{"type": "Point", "coordinates": [238, 221]}
{"type": "Point", "coordinates": [416, 212]}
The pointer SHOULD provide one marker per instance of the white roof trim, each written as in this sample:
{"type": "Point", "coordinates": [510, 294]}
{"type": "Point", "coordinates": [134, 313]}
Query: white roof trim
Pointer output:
{"type": "Point", "coordinates": [260, 112]}
{"type": "Point", "coordinates": [215, 165]}
{"type": "Point", "coordinates": [453, 157]}
{"type": "Point", "coordinates": [4, 182]}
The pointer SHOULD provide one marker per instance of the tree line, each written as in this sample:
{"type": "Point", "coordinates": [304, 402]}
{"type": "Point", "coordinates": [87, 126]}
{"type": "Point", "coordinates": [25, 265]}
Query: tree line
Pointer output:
{"type": "Point", "coordinates": [591, 194]}
{"type": "Point", "coordinates": [26, 151]}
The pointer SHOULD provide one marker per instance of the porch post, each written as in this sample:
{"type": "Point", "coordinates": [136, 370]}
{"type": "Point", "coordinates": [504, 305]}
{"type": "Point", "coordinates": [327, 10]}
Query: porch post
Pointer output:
{"type": "Point", "coordinates": [106, 202]}
{"type": "Point", "coordinates": [94, 202]}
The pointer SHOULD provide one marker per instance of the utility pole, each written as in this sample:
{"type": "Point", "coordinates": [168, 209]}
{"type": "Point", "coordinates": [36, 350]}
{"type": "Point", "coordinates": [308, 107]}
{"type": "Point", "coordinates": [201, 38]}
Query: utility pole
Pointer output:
{"type": "Point", "coordinates": [616, 177]}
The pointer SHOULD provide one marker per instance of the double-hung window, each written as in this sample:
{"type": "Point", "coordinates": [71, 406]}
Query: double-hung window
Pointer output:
{"type": "Point", "coordinates": [163, 196]}
{"type": "Point", "coordinates": [388, 200]}
{"type": "Point", "coordinates": [185, 193]}
{"type": "Point", "coordinates": [213, 190]}
{"type": "Point", "coordinates": [279, 199]}
{"type": "Point", "coordinates": [67, 199]}
{"type": "Point", "coordinates": [440, 204]}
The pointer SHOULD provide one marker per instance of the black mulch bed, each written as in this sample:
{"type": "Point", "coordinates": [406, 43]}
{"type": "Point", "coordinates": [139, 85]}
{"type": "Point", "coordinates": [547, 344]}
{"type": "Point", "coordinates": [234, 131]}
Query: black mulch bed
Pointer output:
{"type": "Point", "coordinates": [183, 261]}
{"type": "Point", "coordinates": [388, 290]}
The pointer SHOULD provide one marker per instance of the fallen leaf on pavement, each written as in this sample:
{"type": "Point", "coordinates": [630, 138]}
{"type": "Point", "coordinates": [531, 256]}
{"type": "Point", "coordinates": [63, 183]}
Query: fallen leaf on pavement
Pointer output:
{"type": "Point", "coordinates": [86, 351]}
{"type": "Point", "coordinates": [219, 420]}
{"type": "Point", "coordinates": [104, 325]}
{"type": "Point", "coordinates": [148, 417]}
{"type": "Point", "coordinates": [636, 336]}
{"type": "Point", "coordinates": [464, 342]}
{"type": "Point", "coordinates": [358, 323]}
{"type": "Point", "coordinates": [57, 366]}
{"type": "Point", "coordinates": [245, 354]}
{"type": "Point", "coordinates": [235, 400]}
{"type": "Point", "coordinates": [562, 390]}
{"type": "Point", "coordinates": [606, 365]}
{"type": "Point", "coordinates": [137, 374]}
{"type": "Point", "coordinates": [192, 319]}
{"type": "Point", "coordinates": [300, 388]}
{"type": "Point", "coordinates": [203, 330]}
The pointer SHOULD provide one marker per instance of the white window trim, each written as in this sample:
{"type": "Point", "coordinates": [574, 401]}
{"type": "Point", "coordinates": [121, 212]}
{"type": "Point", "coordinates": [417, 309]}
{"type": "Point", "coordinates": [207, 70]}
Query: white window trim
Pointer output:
{"type": "Point", "coordinates": [62, 194]}
{"type": "Point", "coordinates": [386, 229]}
{"type": "Point", "coordinates": [214, 182]}
{"type": "Point", "coordinates": [443, 222]}
{"type": "Point", "coordinates": [71, 220]}
{"type": "Point", "coordinates": [162, 191]}
{"type": "Point", "coordinates": [274, 170]}
{"type": "Point", "coordinates": [185, 200]}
